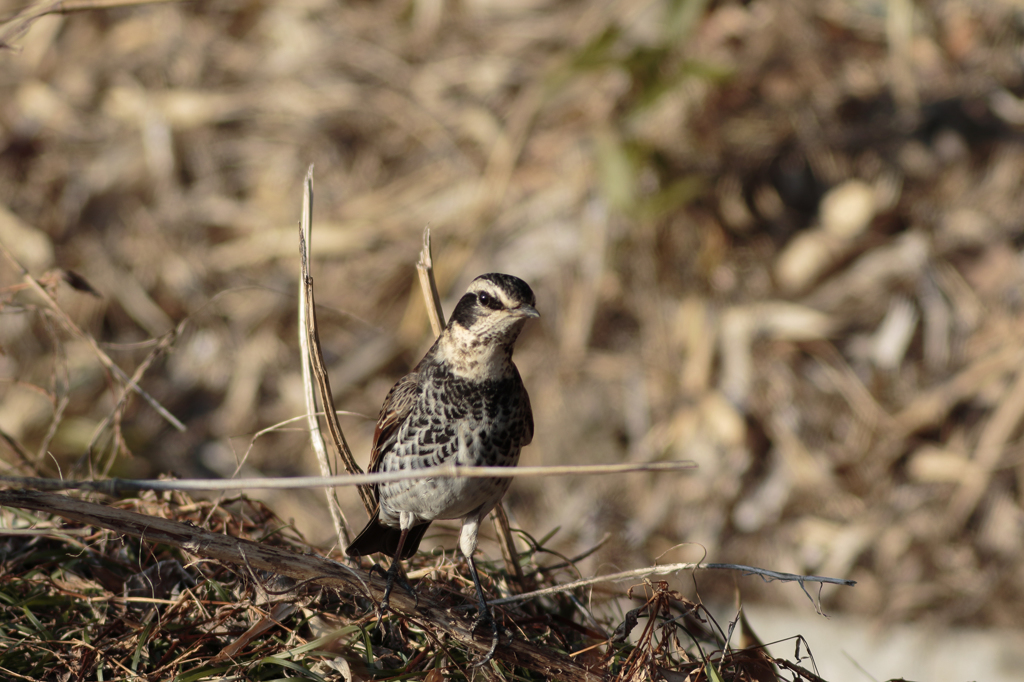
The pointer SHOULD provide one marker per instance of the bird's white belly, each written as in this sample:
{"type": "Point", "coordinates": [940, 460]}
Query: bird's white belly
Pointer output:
{"type": "Point", "coordinates": [441, 498]}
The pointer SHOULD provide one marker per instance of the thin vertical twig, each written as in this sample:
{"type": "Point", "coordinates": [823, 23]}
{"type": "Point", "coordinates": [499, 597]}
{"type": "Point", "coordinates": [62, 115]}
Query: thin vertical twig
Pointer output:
{"type": "Point", "coordinates": [508, 545]}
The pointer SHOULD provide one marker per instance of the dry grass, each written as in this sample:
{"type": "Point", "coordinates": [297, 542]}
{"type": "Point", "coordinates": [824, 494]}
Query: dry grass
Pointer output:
{"type": "Point", "coordinates": [193, 604]}
{"type": "Point", "coordinates": [780, 238]}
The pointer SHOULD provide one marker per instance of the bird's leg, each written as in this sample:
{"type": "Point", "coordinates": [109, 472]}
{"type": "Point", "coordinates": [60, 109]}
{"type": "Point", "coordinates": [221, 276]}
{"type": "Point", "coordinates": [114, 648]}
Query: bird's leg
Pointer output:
{"type": "Point", "coordinates": [391, 576]}
{"type": "Point", "coordinates": [483, 615]}
{"type": "Point", "coordinates": [467, 543]}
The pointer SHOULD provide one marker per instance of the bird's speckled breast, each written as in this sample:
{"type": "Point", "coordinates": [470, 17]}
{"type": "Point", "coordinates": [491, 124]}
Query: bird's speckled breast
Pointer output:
{"type": "Point", "coordinates": [476, 423]}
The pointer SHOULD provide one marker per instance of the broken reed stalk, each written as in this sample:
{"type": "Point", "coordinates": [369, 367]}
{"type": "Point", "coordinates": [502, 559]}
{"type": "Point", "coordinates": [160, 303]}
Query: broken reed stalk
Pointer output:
{"type": "Point", "coordinates": [308, 337]}
{"type": "Point", "coordinates": [428, 285]}
{"type": "Point", "coordinates": [313, 356]}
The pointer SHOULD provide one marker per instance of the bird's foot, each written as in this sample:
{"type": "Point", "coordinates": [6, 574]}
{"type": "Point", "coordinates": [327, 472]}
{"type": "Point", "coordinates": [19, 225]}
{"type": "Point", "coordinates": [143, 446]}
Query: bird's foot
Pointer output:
{"type": "Point", "coordinates": [391, 576]}
{"type": "Point", "coordinates": [484, 616]}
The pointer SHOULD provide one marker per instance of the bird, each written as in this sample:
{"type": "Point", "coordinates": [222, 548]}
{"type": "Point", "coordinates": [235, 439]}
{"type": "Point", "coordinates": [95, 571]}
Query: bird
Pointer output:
{"type": "Point", "coordinates": [463, 404]}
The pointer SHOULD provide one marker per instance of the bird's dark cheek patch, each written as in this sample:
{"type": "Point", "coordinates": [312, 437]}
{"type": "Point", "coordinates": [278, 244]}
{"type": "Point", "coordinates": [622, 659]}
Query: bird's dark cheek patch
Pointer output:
{"type": "Point", "coordinates": [466, 312]}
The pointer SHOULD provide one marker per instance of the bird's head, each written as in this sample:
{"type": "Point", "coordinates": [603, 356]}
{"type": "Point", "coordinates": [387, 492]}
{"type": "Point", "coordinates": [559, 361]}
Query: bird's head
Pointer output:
{"type": "Point", "coordinates": [486, 323]}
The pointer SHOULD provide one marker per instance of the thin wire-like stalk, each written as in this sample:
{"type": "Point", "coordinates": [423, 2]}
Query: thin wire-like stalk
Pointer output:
{"type": "Point", "coordinates": [116, 486]}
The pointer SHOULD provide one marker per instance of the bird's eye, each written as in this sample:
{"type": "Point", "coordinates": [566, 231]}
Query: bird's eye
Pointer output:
{"type": "Point", "coordinates": [488, 301]}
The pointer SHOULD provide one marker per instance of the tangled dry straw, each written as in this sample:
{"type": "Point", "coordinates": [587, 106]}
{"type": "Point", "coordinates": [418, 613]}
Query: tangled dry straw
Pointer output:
{"type": "Point", "coordinates": [780, 238]}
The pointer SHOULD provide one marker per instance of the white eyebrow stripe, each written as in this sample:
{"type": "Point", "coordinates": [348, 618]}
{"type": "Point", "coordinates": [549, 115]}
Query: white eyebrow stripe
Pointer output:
{"type": "Point", "coordinates": [491, 288]}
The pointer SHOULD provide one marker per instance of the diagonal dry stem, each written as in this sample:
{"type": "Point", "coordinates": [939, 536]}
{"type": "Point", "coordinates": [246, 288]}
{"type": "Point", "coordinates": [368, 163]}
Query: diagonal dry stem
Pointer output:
{"type": "Point", "coordinates": [74, 330]}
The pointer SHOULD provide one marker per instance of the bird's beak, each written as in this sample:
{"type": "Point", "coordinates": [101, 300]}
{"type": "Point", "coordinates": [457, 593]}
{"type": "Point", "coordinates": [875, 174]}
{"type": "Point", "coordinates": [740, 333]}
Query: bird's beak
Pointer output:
{"type": "Point", "coordinates": [525, 310]}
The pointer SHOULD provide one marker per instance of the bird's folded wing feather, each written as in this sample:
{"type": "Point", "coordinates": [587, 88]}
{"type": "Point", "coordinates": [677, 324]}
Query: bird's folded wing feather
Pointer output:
{"type": "Point", "coordinates": [528, 427]}
{"type": "Point", "coordinates": [393, 413]}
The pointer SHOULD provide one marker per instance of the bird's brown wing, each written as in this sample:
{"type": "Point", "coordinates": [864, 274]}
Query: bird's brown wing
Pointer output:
{"type": "Point", "coordinates": [393, 413]}
{"type": "Point", "coordinates": [528, 426]}
{"type": "Point", "coordinates": [375, 536]}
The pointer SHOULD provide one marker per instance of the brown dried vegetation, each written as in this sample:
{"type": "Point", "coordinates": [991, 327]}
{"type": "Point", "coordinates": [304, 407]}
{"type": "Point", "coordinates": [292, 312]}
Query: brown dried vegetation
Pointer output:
{"type": "Point", "coordinates": [779, 238]}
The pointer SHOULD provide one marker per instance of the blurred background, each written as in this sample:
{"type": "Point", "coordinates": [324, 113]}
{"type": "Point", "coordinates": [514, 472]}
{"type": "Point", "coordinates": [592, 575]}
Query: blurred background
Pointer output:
{"type": "Point", "coordinates": [780, 238]}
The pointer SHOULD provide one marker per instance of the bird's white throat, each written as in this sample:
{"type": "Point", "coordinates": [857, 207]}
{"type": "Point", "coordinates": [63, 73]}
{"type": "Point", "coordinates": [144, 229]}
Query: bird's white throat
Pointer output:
{"type": "Point", "coordinates": [477, 357]}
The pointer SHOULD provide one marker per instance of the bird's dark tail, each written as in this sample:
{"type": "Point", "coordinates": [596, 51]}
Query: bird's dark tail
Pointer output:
{"type": "Point", "coordinates": [377, 537]}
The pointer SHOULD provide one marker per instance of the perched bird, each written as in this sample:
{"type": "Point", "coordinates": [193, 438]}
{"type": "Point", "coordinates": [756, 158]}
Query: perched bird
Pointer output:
{"type": "Point", "coordinates": [464, 403]}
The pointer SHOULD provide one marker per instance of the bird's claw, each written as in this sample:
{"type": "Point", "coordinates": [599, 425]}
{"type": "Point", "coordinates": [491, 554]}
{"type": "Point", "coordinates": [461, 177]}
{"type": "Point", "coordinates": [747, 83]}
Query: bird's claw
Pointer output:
{"type": "Point", "coordinates": [484, 616]}
{"type": "Point", "coordinates": [408, 588]}
{"type": "Point", "coordinates": [377, 568]}
{"type": "Point", "coordinates": [391, 577]}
